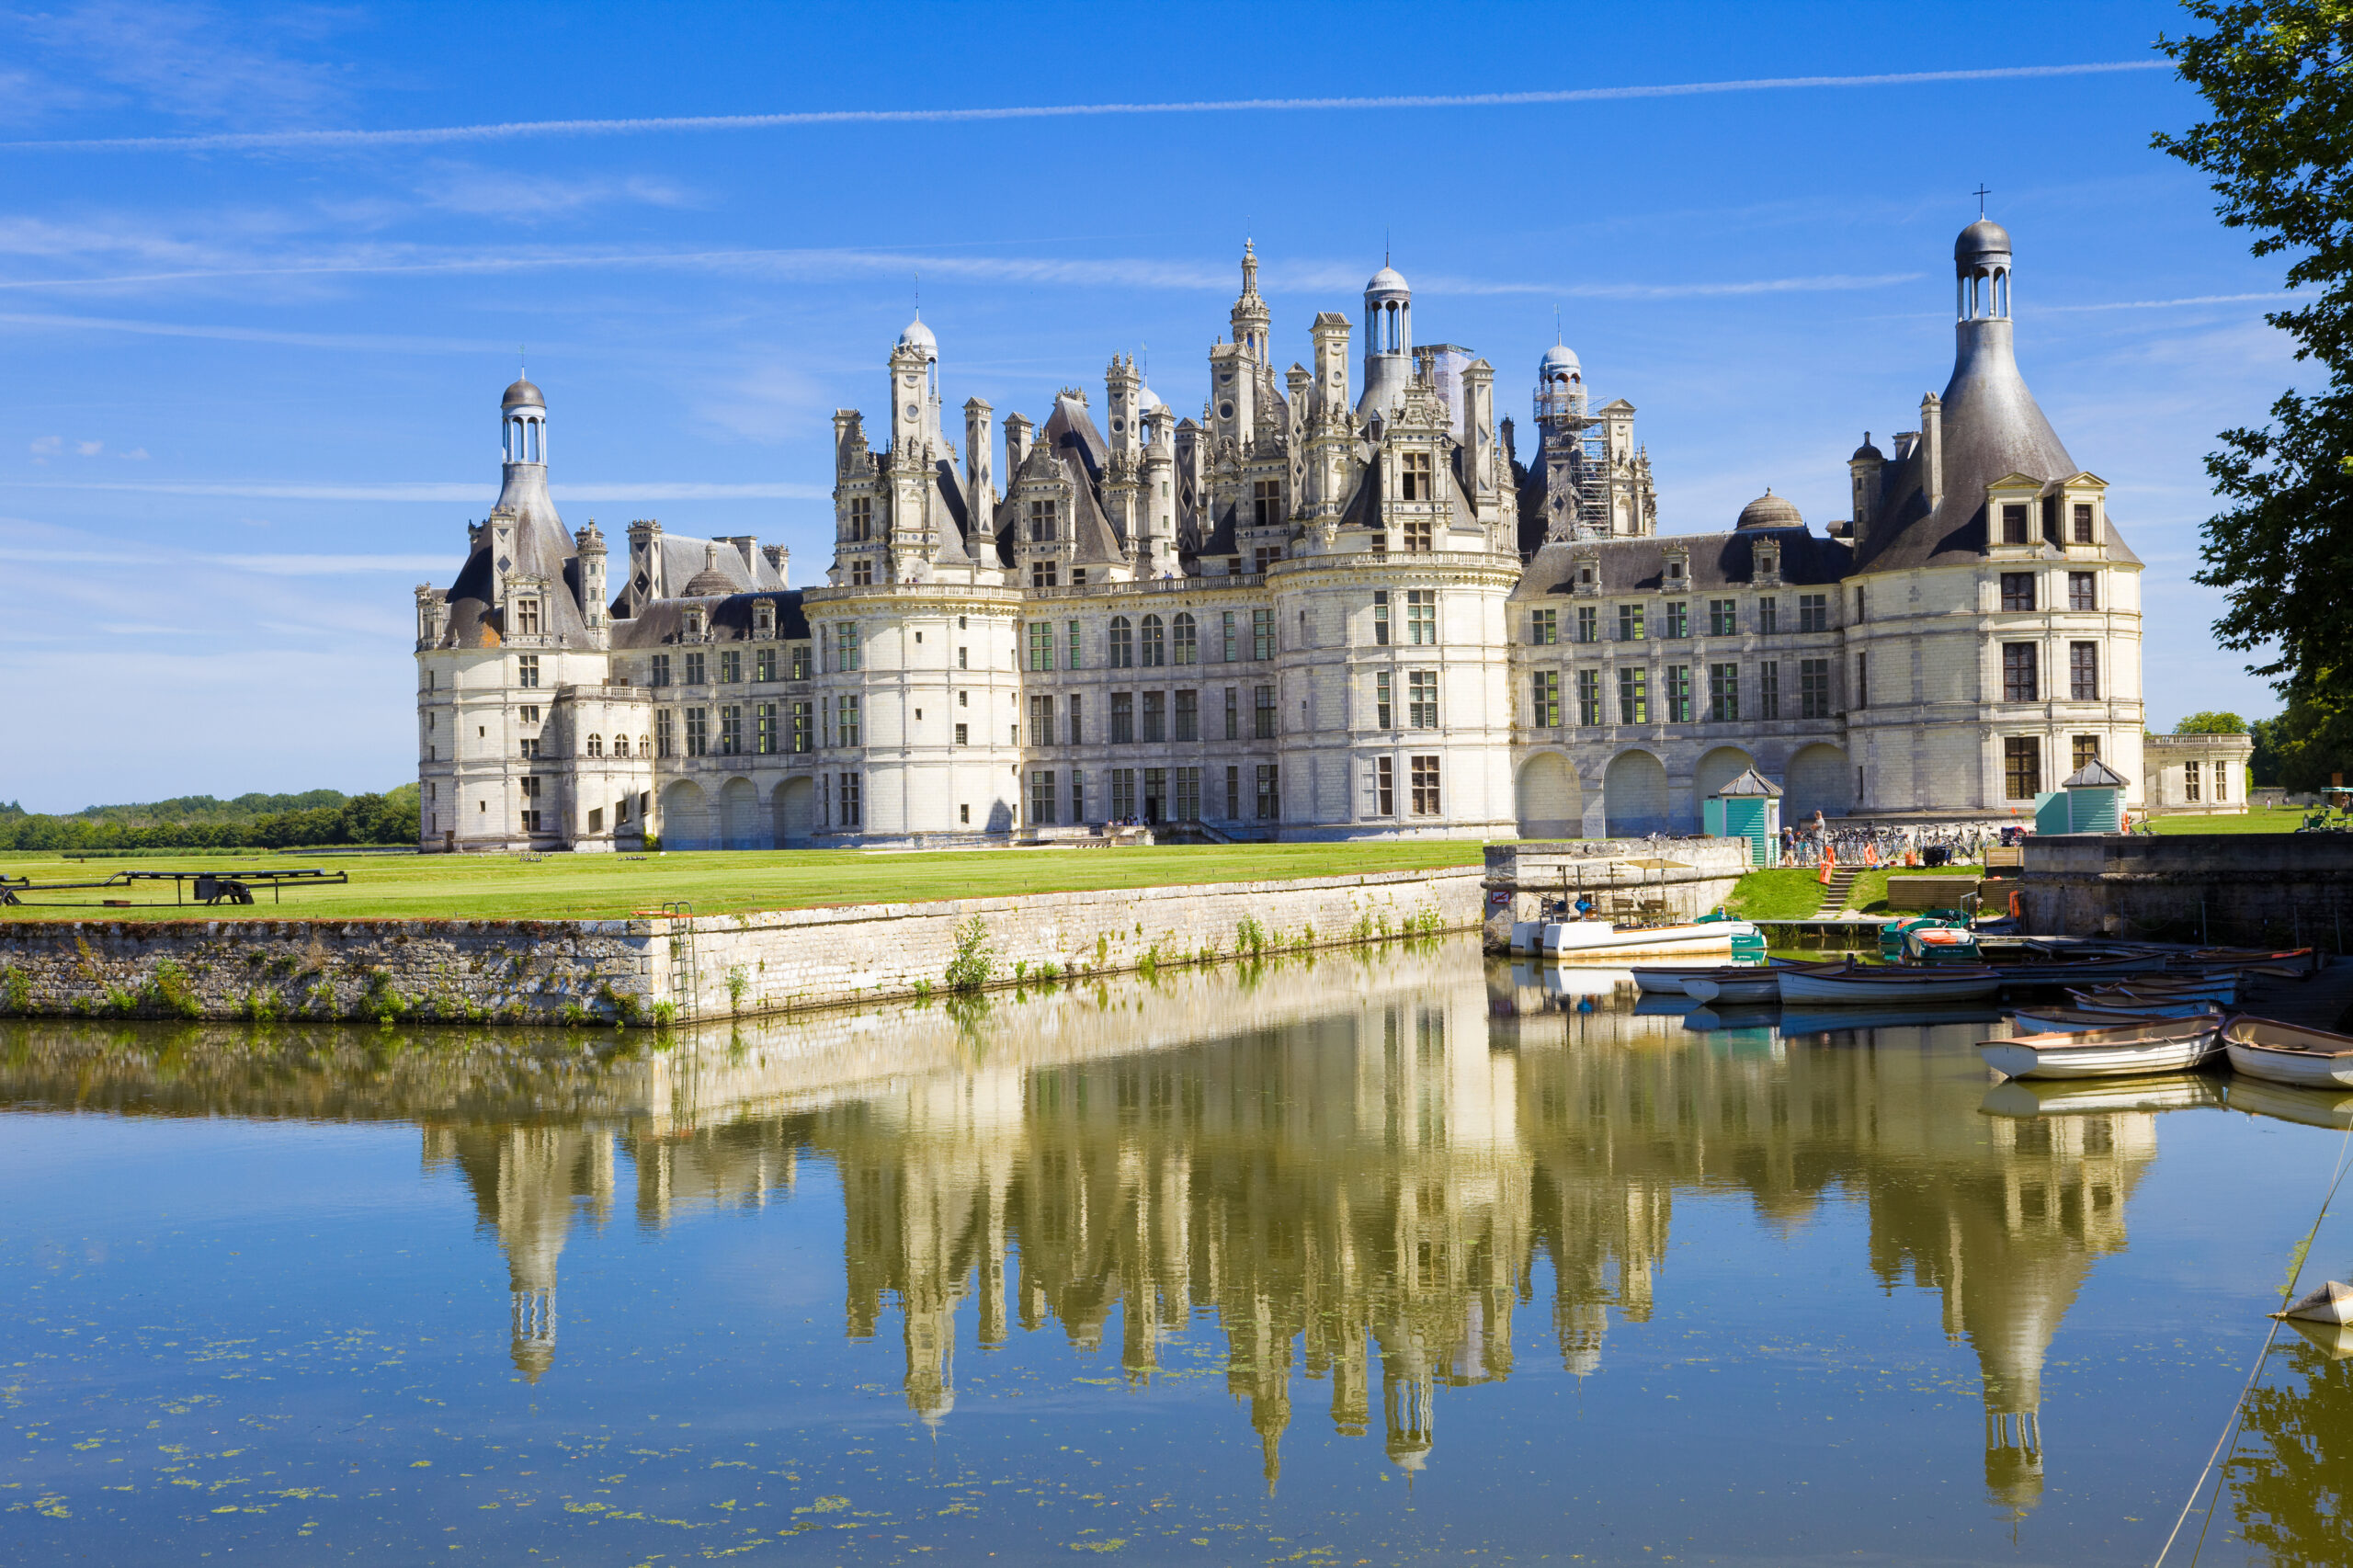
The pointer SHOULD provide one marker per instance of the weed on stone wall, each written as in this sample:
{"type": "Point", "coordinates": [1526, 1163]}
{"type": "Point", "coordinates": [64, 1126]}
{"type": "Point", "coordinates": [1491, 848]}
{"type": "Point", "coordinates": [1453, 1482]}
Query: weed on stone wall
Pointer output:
{"type": "Point", "coordinates": [16, 993]}
{"type": "Point", "coordinates": [739, 980]}
{"type": "Point", "coordinates": [1250, 937]}
{"type": "Point", "coordinates": [976, 960]}
{"type": "Point", "coordinates": [167, 991]}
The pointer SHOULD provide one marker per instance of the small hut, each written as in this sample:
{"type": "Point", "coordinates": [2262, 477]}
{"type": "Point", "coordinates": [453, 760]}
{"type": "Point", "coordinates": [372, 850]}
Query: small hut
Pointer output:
{"type": "Point", "coordinates": [1749, 807]}
{"type": "Point", "coordinates": [2091, 800]}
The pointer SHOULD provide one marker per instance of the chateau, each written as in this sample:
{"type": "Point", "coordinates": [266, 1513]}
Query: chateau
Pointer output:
{"type": "Point", "coordinates": [1336, 604]}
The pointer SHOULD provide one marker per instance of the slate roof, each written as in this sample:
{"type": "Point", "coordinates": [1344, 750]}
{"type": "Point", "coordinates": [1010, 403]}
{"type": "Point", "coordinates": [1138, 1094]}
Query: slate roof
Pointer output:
{"type": "Point", "coordinates": [542, 549]}
{"type": "Point", "coordinates": [1717, 561]}
{"type": "Point", "coordinates": [729, 616]}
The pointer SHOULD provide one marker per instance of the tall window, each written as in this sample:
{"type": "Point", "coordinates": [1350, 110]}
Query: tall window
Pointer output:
{"type": "Point", "coordinates": [1042, 645]}
{"type": "Point", "coordinates": [805, 727]}
{"type": "Point", "coordinates": [853, 800]}
{"type": "Point", "coordinates": [1861, 613]}
{"type": "Point", "coordinates": [1384, 787]}
{"type": "Point", "coordinates": [2017, 590]}
{"type": "Point", "coordinates": [1187, 717]}
{"type": "Point", "coordinates": [1184, 640]}
{"type": "Point", "coordinates": [2018, 683]}
{"type": "Point", "coordinates": [1544, 627]}
{"type": "Point", "coordinates": [1630, 623]}
{"type": "Point", "coordinates": [1425, 786]}
{"type": "Point", "coordinates": [1678, 693]}
{"type": "Point", "coordinates": [1814, 612]}
{"type": "Point", "coordinates": [1155, 716]}
{"type": "Point", "coordinates": [862, 518]}
{"type": "Point", "coordinates": [527, 618]}
{"type": "Point", "coordinates": [800, 660]}
{"type": "Point", "coordinates": [1123, 649]}
{"type": "Point", "coordinates": [1724, 693]}
{"type": "Point", "coordinates": [1074, 740]}
{"type": "Point", "coordinates": [846, 720]}
{"type": "Point", "coordinates": [1233, 793]}
{"type": "Point", "coordinates": [1156, 642]}
{"type": "Point", "coordinates": [846, 648]}
{"type": "Point", "coordinates": [1124, 794]}
{"type": "Point", "coordinates": [1381, 618]}
{"type": "Point", "coordinates": [1413, 477]}
{"type": "Point", "coordinates": [2087, 751]}
{"type": "Point", "coordinates": [1188, 795]}
{"type": "Point", "coordinates": [862, 573]}
{"type": "Point", "coordinates": [659, 673]}
{"type": "Point", "coordinates": [1262, 634]}
{"type": "Point", "coordinates": [731, 666]}
{"type": "Point", "coordinates": [1679, 619]}
{"type": "Point", "coordinates": [1232, 713]}
{"type": "Point", "coordinates": [1421, 617]}
{"type": "Point", "coordinates": [1041, 522]}
{"type": "Point", "coordinates": [1042, 796]}
{"type": "Point", "coordinates": [698, 670]}
{"type": "Point", "coordinates": [1123, 716]}
{"type": "Point", "coordinates": [731, 730]}
{"type": "Point", "coordinates": [1544, 707]}
{"type": "Point", "coordinates": [1421, 699]}
{"type": "Point", "coordinates": [2222, 780]}
{"type": "Point", "coordinates": [1768, 615]}
{"type": "Point", "coordinates": [2083, 591]}
{"type": "Point", "coordinates": [665, 731]}
{"type": "Point", "coordinates": [1271, 797]}
{"type": "Point", "coordinates": [526, 670]}
{"type": "Point", "coordinates": [1232, 639]}
{"type": "Point", "coordinates": [1042, 722]}
{"type": "Point", "coordinates": [1588, 624]}
{"type": "Point", "coordinates": [1588, 696]}
{"type": "Point", "coordinates": [2083, 521]}
{"type": "Point", "coordinates": [1078, 796]}
{"type": "Point", "coordinates": [2082, 672]}
{"type": "Point", "coordinates": [697, 732]}
{"type": "Point", "coordinates": [764, 665]}
{"type": "Point", "coordinates": [1769, 690]}
{"type": "Point", "coordinates": [1265, 714]}
{"type": "Point", "coordinates": [1813, 688]}
{"type": "Point", "coordinates": [2013, 523]}
{"type": "Point", "coordinates": [1418, 536]}
{"type": "Point", "coordinates": [1862, 681]}
{"type": "Point", "coordinates": [2190, 772]}
{"type": "Point", "coordinates": [1381, 710]}
{"type": "Point", "coordinates": [1071, 648]}
{"type": "Point", "coordinates": [1266, 503]}
{"type": "Point", "coordinates": [1633, 695]}
{"type": "Point", "coordinates": [2022, 766]}
{"type": "Point", "coordinates": [1723, 617]}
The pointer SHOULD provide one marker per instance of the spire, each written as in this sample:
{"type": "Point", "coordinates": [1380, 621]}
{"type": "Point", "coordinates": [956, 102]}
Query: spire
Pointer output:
{"type": "Point", "coordinates": [1249, 270]}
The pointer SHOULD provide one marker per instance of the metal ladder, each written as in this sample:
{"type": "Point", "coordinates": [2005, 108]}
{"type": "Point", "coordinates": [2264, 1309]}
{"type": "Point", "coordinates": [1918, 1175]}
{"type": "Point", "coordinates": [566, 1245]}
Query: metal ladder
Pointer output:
{"type": "Point", "coordinates": [681, 916]}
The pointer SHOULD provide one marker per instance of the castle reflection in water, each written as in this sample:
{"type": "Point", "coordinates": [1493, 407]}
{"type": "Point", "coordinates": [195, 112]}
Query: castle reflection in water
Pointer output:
{"type": "Point", "coordinates": [1354, 1164]}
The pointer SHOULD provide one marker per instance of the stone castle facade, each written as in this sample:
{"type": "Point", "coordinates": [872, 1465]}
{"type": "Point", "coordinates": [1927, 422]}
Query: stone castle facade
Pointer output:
{"type": "Point", "coordinates": [1323, 609]}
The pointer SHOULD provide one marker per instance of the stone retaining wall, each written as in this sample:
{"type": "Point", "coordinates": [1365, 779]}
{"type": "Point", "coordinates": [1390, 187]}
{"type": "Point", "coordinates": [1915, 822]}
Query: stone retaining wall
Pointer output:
{"type": "Point", "coordinates": [712, 966]}
{"type": "Point", "coordinates": [2262, 888]}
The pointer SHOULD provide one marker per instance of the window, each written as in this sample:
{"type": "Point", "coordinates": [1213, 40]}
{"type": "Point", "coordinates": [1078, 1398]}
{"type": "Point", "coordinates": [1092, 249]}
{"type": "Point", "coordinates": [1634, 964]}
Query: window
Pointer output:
{"type": "Point", "coordinates": [1123, 650]}
{"type": "Point", "coordinates": [764, 665]}
{"type": "Point", "coordinates": [1078, 576]}
{"type": "Point", "coordinates": [2082, 534]}
{"type": "Point", "coordinates": [1042, 645]}
{"type": "Point", "coordinates": [1588, 624]}
{"type": "Point", "coordinates": [1381, 618]}
{"type": "Point", "coordinates": [1232, 641]}
{"type": "Point", "coordinates": [1769, 690]}
{"type": "Point", "coordinates": [862, 573]}
{"type": "Point", "coordinates": [596, 745]}
{"type": "Point", "coordinates": [1862, 681]}
{"type": "Point", "coordinates": [1233, 793]}
{"type": "Point", "coordinates": [1264, 714]}
{"type": "Point", "coordinates": [1768, 615]}
{"type": "Point", "coordinates": [1384, 787]}
{"type": "Point", "coordinates": [800, 662]}
{"type": "Point", "coordinates": [1156, 794]}
{"type": "Point", "coordinates": [530, 746]}
{"type": "Point", "coordinates": [1262, 634]}
{"type": "Point", "coordinates": [852, 798]}
{"type": "Point", "coordinates": [658, 674]}
{"type": "Point", "coordinates": [596, 818]}
{"type": "Point", "coordinates": [1421, 617]}
{"type": "Point", "coordinates": [697, 732]}
{"type": "Point", "coordinates": [1078, 796]}
{"type": "Point", "coordinates": [1378, 541]}
{"type": "Point", "coordinates": [1588, 696]}
{"type": "Point", "coordinates": [1421, 699]}
{"type": "Point", "coordinates": [1679, 619]}
{"type": "Point", "coordinates": [1123, 718]}
{"type": "Point", "coordinates": [964, 734]}
{"type": "Point", "coordinates": [1862, 612]}
{"type": "Point", "coordinates": [1188, 795]}
{"type": "Point", "coordinates": [2190, 772]}
{"type": "Point", "coordinates": [1630, 623]}
{"type": "Point", "coordinates": [1724, 617]}
{"type": "Point", "coordinates": [1042, 721]}
{"type": "Point", "coordinates": [2087, 751]}
{"type": "Point", "coordinates": [1814, 612]}
{"type": "Point", "coordinates": [2018, 683]}
{"type": "Point", "coordinates": [731, 666]}
{"type": "Point", "coordinates": [1156, 642]}
{"type": "Point", "coordinates": [1041, 522]}
{"type": "Point", "coordinates": [2013, 523]}
{"type": "Point", "coordinates": [862, 518]}
{"type": "Point", "coordinates": [1544, 699]}
{"type": "Point", "coordinates": [2082, 591]}
{"type": "Point", "coordinates": [1071, 647]}
{"type": "Point", "coordinates": [846, 648]}
{"type": "Point", "coordinates": [1124, 794]}
{"type": "Point", "coordinates": [2017, 590]}
{"type": "Point", "coordinates": [1544, 627]}
{"type": "Point", "coordinates": [526, 670]}
{"type": "Point", "coordinates": [1042, 796]}
{"type": "Point", "coordinates": [1074, 740]}
{"type": "Point", "coordinates": [527, 618]}
{"type": "Point", "coordinates": [1189, 717]}
{"type": "Point", "coordinates": [1044, 574]}
{"type": "Point", "coordinates": [1184, 640]}
{"type": "Point", "coordinates": [1266, 503]}
{"type": "Point", "coordinates": [1723, 694]}
{"type": "Point", "coordinates": [1813, 688]}
{"type": "Point", "coordinates": [2082, 672]}
{"type": "Point", "coordinates": [698, 670]}
{"type": "Point", "coordinates": [1233, 714]}
{"type": "Point", "coordinates": [1413, 477]}
{"type": "Point", "coordinates": [804, 728]}
{"type": "Point", "coordinates": [1425, 785]}
{"type": "Point", "coordinates": [1266, 556]}
{"type": "Point", "coordinates": [1155, 716]}
{"type": "Point", "coordinates": [1678, 693]}
{"type": "Point", "coordinates": [731, 730]}
{"type": "Point", "coordinates": [1418, 535]}
{"type": "Point", "coordinates": [1633, 695]}
{"type": "Point", "coordinates": [1381, 695]}
{"type": "Point", "coordinates": [846, 720]}
{"type": "Point", "coordinates": [2222, 780]}
{"type": "Point", "coordinates": [1270, 800]}
{"type": "Point", "coordinates": [2022, 766]}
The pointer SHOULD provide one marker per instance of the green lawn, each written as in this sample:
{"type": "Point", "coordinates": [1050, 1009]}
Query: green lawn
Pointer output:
{"type": "Point", "coordinates": [1789, 892]}
{"type": "Point", "coordinates": [2287, 820]}
{"type": "Point", "coordinates": [605, 886]}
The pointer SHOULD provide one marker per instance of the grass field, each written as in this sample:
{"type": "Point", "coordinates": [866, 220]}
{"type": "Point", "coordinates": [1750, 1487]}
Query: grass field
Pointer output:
{"type": "Point", "coordinates": [605, 886]}
{"type": "Point", "coordinates": [2287, 820]}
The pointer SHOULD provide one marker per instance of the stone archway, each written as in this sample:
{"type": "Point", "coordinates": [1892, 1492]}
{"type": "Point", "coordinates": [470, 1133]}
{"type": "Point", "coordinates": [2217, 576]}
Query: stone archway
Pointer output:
{"type": "Point", "coordinates": [1820, 780]}
{"type": "Point", "coordinates": [1550, 800]}
{"type": "Point", "coordinates": [1633, 795]}
{"type": "Point", "coordinates": [796, 812]}
{"type": "Point", "coordinates": [739, 817]}
{"type": "Point", "coordinates": [686, 817]}
{"type": "Point", "coordinates": [1718, 768]}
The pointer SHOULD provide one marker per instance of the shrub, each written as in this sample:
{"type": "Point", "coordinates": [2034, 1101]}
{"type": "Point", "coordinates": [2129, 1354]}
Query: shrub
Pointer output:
{"type": "Point", "coordinates": [976, 960]}
{"type": "Point", "coordinates": [739, 980]}
{"type": "Point", "coordinates": [664, 1015]}
{"type": "Point", "coordinates": [1249, 937]}
{"type": "Point", "coordinates": [16, 993]}
{"type": "Point", "coordinates": [168, 988]}
{"type": "Point", "coordinates": [572, 1015]}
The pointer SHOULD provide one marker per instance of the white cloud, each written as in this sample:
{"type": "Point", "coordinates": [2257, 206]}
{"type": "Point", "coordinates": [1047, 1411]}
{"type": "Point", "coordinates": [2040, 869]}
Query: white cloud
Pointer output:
{"type": "Point", "coordinates": [89, 448]}
{"type": "Point", "coordinates": [191, 61]}
{"type": "Point", "coordinates": [47, 447]}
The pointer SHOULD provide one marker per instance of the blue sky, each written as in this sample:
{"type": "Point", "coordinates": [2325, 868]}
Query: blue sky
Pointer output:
{"type": "Point", "coordinates": [249, 374]}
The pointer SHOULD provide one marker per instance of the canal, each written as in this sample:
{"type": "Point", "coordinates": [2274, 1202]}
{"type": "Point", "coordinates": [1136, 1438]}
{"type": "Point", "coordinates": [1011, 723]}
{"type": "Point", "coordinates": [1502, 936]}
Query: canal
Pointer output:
{"type": "Point", "coordinates": [1399, 1254]}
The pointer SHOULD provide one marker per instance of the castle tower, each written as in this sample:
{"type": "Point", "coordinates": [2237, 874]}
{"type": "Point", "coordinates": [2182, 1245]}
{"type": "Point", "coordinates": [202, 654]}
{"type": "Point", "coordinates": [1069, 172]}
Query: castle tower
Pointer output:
{"type": "Point", "coordinates": [590, 544]}
{"type": "Point", "coordinates": [1388, 342]}
{"type": "Point", "coordinates": [1253, 321]}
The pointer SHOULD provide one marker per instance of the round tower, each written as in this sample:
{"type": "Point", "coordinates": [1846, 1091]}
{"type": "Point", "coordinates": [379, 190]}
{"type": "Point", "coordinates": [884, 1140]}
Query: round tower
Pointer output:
{"type": "Point", "coordinates": [1387, 342]}
{"type": "Point", "coordinates": [523, 423]}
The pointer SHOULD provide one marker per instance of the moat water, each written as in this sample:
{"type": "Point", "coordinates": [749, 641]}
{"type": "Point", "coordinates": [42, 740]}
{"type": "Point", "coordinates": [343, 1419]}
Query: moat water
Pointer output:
{"type": "Point", "coordinates": [1393, 1257]}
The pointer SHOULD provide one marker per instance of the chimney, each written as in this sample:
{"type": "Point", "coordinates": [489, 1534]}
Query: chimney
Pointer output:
{"type": "Point", "coordinates": [781, 559]}
{"type": "Point", "coordinates": [1932, 449]}
{"type": "Point", "coordinates": [1016, 445]}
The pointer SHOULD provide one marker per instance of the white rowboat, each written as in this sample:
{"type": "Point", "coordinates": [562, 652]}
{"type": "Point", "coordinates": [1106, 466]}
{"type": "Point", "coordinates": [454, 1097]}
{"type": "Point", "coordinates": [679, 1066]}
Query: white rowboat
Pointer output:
{"type": "Point", "coordinates": [2066, 1020]}
{"type": "Point", "coordinates": [2159, 1045]}
{"type": "Point", "coordinates": [1877, 987]}
{"type": "Point", "coordinates": [1597, 938]}
{"type": "Point", "coordinates": [2285, 1054]}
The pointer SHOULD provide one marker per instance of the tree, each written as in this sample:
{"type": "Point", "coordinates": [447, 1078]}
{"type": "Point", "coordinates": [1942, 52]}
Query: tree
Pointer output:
{"type": "Point", "coordinates": [2278, 76]}
{"type": "Point", "coordinates": [2212, 724]}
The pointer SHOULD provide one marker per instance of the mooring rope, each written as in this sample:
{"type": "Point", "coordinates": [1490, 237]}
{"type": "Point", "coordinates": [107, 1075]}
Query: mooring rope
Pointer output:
{"type": "Point", "coordinates": [2238, 1406]}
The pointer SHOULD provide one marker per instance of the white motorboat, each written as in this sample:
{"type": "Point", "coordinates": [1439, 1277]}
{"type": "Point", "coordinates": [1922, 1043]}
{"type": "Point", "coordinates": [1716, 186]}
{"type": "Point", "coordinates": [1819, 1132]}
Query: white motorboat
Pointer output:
{"type": "Point", "coordinates": [1877, 985]}
{"type": "Point", "coordinates": [2157, 1045]}
{"type": "Point", "coordinates": [2286, 1054]}
{"type": "Point", "coordinates": [1527, 936]}
{"type": "Point", "coordinates": [1572, 940]}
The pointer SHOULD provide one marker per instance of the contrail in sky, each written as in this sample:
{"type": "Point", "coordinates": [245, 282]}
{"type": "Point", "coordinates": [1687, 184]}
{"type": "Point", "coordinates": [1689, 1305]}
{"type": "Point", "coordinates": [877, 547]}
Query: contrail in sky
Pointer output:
{"type": "Point", "coordinates": [259, 141]}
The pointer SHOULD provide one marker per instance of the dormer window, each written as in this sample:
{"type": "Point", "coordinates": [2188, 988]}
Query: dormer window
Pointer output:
{"type": "Point", "coordinates": [1041, 522]}
{"type": "Point", "coordinates": [2013, 523]}
{"type": "Point", "coordinates": [1413, 481]}
{"type": "Point", "coordinates": [764, 619]}
{"type": "Point", "coordinates": [1769, 563]}
{"type": "Point", "coordinates": [2081, 528]}
{"type": "Point", "coordinates": [527, 618]}
{"type": "Point", "coordinates": [694, 625]}
{"type": "Point", "coordinates": [1585, 575]}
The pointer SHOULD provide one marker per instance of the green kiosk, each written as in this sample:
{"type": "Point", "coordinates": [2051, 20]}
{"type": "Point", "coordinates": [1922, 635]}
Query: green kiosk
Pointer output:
{"type": "Point", "coordinates": [2091, 800]}
{"type": "Point", "coordinates": [1749, 807]}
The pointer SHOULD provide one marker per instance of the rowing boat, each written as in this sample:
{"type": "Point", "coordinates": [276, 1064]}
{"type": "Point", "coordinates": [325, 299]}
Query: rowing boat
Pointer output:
{"type": "Point", "coordinates": [2331, 1303]}
{"type": "Point", "coordinates": [2068, 1020]}
{"type": "Point", "coordinates": [2221, 989]}
{"type": "Point", "coordinates": [2125, 1006]}
{"type": "Point", "coordinates": [2157, 1045]}
{"type": "Point", "coordinates": [1737, 984]}
{"type": "Point", "coordinates": [1876, 985]}
{"type": "Point", "coordinates": [1582, 939]}
{"type": "Point", "coordinates": [2286, 1054]}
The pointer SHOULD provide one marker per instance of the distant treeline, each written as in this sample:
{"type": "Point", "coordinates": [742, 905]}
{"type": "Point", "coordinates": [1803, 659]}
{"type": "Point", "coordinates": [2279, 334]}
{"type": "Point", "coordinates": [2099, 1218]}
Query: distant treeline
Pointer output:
{"type": "Point", "coordinates": [200, 822]}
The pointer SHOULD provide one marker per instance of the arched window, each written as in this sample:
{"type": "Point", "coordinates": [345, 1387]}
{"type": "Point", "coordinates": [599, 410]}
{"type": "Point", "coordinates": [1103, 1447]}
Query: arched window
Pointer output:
{"type": "Point", "coordinates": [645, 745]}
{"type": "Point", "coordinates": [1185, 649]}
{"type": "Point", "coordinates": [1123, 652]}
{"type": "Point", "coordinates": [1155, 647]}
{"type": "Point", "coordinates": [596, 745]}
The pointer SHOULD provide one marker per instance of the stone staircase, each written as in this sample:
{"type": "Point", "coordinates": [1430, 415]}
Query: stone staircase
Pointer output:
{"type": "Point", "coordinates": [1841, 884]}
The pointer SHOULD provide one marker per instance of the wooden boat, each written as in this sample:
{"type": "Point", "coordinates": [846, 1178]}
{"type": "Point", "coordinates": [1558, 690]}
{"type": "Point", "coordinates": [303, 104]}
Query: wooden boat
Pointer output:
{"type": "Point", "coordinates": [2157, 1045]}
{"type": "Point", "coordinates": [1877, 984]}
{"type": "Point", "coordinates": [2296, 962]}
{"type": "Point", "coordinates": [1599, 938]}
{"type": "Point", "coordinates": [2066, 1020]}
{"type": "Point", "coordinates": [2078, 972]}
{"type": "Point", "coordinates": [2140, 1007]}
{"type": "Point", "coordinates": [2221, 989]}
{"type": "Point", "coordinates": [2332, 1109]}
{"type": "Point", "coordinates": [1666, 980]}
{"type": "Point", "coordinates": [2286, 1054]}
{"type": "Point", "coordinates": [1738, 984]}
{"type": "Point", "coordinates": [2061, 1096]}
{"type": "Point", "coordinates": [2331, 1303]}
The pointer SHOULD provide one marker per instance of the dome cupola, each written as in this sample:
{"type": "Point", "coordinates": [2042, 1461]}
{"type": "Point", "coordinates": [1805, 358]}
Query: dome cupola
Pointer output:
{"type": "Point", "coordinates": [1770, 511]}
